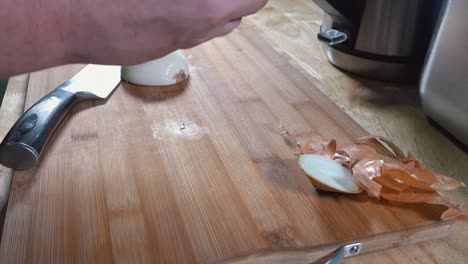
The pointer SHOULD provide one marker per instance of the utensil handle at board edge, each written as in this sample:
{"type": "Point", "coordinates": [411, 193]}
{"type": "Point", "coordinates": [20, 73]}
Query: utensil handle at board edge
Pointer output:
{"type": "Point", "coordinates": [338, 255]}
{"type": "Point", "coordinates": [280, 257]}
{"type": "Point", "coordinates": [22, 146]}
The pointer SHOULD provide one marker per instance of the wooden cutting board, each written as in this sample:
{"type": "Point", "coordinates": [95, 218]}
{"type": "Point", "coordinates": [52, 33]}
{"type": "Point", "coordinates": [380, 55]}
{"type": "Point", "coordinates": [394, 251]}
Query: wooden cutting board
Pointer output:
{"type": "Point", "coordinates": [198, 175]}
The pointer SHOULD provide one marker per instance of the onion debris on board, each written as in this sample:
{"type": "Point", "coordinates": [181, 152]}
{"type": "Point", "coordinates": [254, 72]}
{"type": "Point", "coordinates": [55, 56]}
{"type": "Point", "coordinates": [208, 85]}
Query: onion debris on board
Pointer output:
{"type": "Point", "coordinates": [381, 169]}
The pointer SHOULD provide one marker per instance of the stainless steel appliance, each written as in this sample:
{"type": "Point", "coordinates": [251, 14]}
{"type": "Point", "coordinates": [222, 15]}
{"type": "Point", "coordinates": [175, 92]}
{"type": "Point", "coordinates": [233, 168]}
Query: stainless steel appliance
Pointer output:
{"type": "Point", "coordinates": [444, 82]}
{"type": "Point", "coordinates": [421, 40]}
{"type": "Point", "coordinates": [381, 39]}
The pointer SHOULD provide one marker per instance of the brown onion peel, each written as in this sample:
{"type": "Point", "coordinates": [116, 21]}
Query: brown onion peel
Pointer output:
{"type": "Point", "coordinates": [383, 170]}
{"type": "Point", "coordinates": [365, 171]}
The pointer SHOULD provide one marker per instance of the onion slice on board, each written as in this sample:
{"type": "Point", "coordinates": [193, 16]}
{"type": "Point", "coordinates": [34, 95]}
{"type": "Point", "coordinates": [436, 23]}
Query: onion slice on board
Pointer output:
{"type": "Point", "coordinates": [328, 175]}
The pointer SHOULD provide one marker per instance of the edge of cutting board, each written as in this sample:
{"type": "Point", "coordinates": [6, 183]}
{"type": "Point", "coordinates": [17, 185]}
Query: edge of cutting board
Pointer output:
{"type": "Point", "coordinates": [370, 244]}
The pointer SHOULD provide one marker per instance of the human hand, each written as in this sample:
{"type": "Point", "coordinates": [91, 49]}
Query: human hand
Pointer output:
{"type": "Point", "coordinates": [127, 32]}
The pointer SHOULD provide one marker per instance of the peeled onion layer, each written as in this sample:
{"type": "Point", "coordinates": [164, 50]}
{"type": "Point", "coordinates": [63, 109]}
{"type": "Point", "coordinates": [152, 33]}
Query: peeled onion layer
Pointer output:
{"type": "Point", "coordinates": [377, 143]}
{"type": "Point", "coordinates": [382, 169]}
{"type": "Point", "coordinates": [414, 195]}
{"type": "Point", "coordinates": [328, 175]}
{"type": "Point", "coordinates": [365, 171]}
{"type": "Point", "coordinates": [327, 150]}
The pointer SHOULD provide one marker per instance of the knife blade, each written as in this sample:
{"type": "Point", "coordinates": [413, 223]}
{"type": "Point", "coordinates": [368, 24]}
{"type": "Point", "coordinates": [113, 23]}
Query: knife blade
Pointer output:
{"type": "Point", "coordinates": [22, 146]}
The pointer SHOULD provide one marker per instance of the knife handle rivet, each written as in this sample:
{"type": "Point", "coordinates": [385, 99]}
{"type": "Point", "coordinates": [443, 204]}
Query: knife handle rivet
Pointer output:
{"type": "Point", "coordinates": [28, 123]}
{"type": "Point", "coordinates": [354, 250]}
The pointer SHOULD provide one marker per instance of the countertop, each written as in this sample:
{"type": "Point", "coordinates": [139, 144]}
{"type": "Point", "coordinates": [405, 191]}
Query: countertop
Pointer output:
{"type": "Point", "coordinates": [387, 109]}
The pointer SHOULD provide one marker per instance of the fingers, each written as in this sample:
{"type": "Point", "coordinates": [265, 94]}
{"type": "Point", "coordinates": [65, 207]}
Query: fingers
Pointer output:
{"type": "Point", "coordinates": [231, 25]}
{"type": "Point", "coordinates": [220, 17]}
{"type": "Point", "coordinates": [242, 8]}
{"type": "Point", "coordinates": [220, 31]}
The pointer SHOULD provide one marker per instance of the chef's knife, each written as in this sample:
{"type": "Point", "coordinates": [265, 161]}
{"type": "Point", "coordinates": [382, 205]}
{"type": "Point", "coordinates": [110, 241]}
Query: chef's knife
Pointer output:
{"type": "Point", "coordinates": [24, 143]}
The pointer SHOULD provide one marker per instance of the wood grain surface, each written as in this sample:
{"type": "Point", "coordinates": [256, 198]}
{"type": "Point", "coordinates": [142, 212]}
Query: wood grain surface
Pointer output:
{"type": "Point", "coordinates": [389, 109]}
{"type": "Point", "coordinates": [11, 110]}
{"type": "Point", "coordinates": [290, 27]}
{"type": "Point", "coordinates": [202, 174]}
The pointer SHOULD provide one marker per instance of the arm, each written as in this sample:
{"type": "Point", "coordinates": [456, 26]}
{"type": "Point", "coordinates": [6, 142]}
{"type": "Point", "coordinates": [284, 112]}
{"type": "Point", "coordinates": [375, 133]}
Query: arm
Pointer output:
{"type": "Point", "coordinates": [30, 38]}
{"type": "Point", "coordinates": [44, 33]}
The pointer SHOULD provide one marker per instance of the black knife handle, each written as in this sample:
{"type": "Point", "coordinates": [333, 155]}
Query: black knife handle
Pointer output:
{"type": "Point", "coordinates": [23, 144]}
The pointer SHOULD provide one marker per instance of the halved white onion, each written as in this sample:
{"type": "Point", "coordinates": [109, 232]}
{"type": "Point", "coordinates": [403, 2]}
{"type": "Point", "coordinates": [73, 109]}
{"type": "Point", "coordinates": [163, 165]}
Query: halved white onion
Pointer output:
{"type": "Point", "coordinates": [328, 175]}
{"type": "Point", "coordinates": [168, 70]}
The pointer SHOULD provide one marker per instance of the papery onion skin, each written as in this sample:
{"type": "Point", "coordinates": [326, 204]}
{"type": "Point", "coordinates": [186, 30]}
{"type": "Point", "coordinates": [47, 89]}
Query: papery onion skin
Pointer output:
{"type": "Point", "coordinates": [384, 171]}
